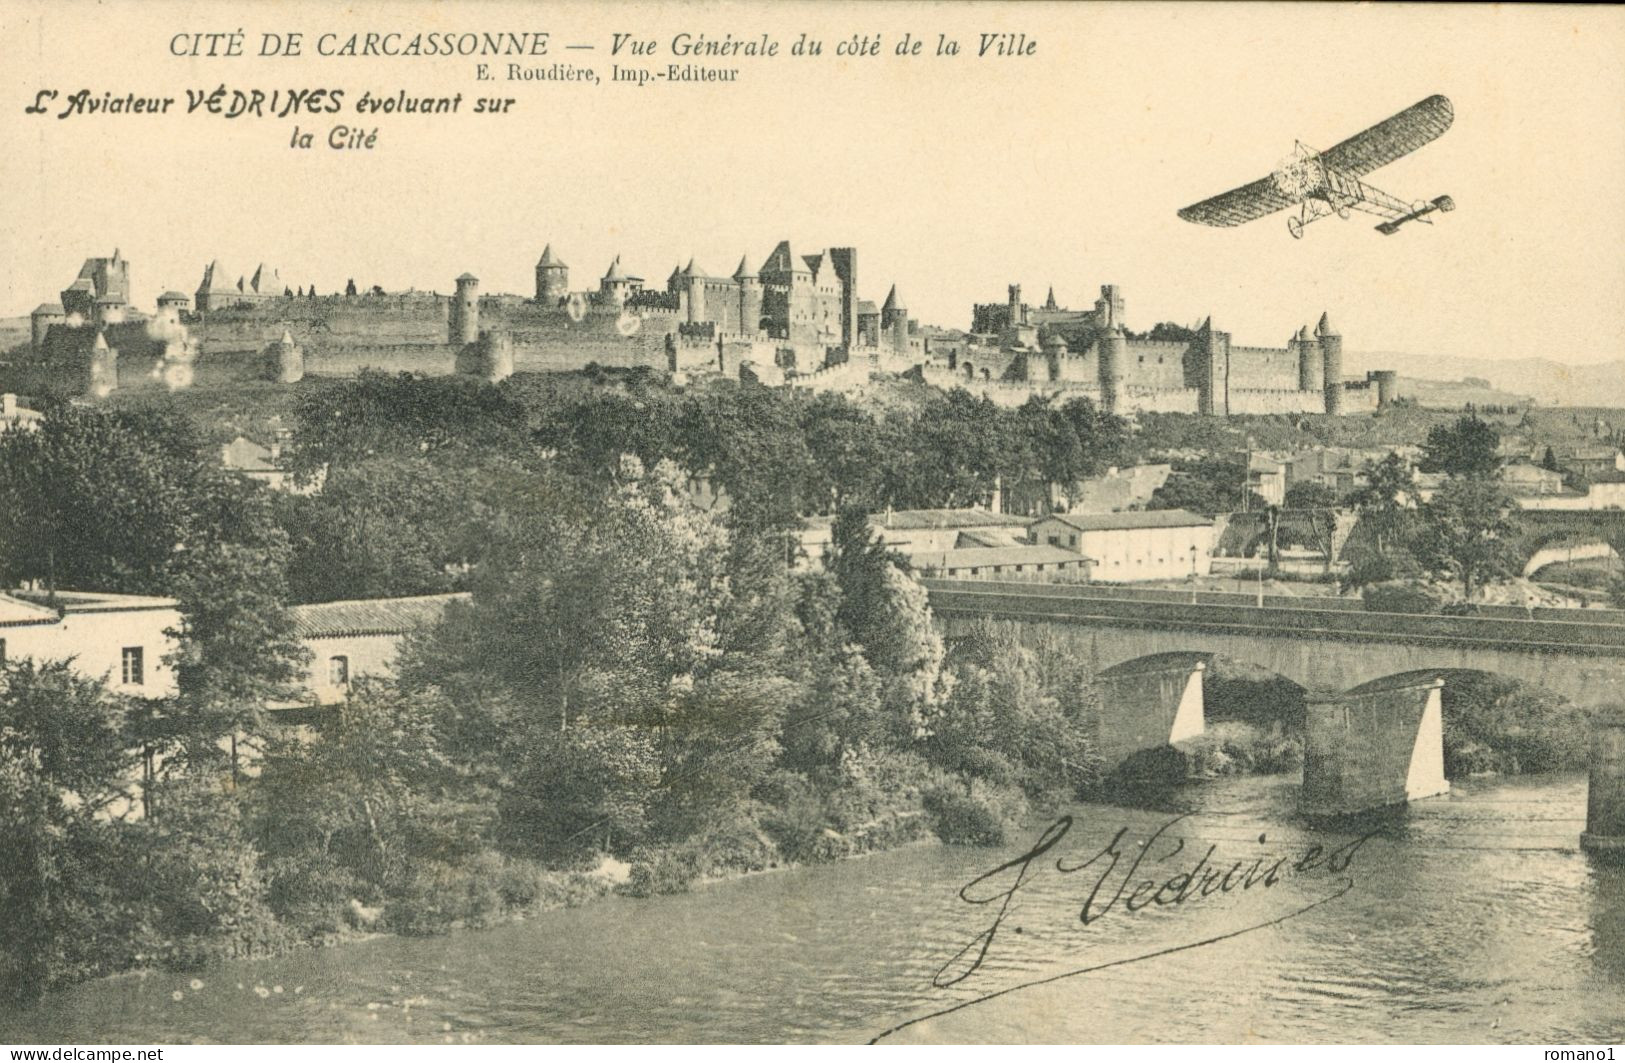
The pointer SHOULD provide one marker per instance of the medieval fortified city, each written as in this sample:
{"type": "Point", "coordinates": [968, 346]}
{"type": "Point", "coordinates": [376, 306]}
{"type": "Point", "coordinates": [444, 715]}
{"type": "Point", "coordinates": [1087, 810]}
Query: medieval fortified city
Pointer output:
{"type": "Point", "coordinates": [955, 576]}
{"type": "Point", "coordinates": [1068, 609]}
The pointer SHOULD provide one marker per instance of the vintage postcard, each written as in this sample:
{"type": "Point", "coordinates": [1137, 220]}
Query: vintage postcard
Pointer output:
{"type": "Point", "coordinates": [836, 522]}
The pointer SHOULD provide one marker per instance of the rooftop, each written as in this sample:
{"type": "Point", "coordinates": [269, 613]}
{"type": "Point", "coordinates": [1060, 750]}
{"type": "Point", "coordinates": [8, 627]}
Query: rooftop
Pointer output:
{"type": "Point", "coordinates": [988, 557]}
{"type": "Point", "coordinates": [918, 519]}
{"type": "Point", "coordinates": [370, 616]}
{"type": "Point", "coordinates": [245, 455]}
{"type": "Point", "coordinates": [1151, 518]}
{"type": "Point", "coordinates": [15, 611]}
{"type": "Point", "coordinates": [90, 601]}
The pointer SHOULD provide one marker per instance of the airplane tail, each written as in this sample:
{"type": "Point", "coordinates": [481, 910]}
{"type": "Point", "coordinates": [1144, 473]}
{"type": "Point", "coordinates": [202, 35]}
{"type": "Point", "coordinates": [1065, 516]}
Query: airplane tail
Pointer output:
{"type": "Point", "coordinates": [1443, 203]}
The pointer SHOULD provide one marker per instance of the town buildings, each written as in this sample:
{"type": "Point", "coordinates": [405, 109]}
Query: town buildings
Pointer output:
{"type": "Point", "coordinates": [1128, 547]}
{"type": "Point", "coordinates": [121, 640]}
{"type": "Point", "coordinates": [353, 639]}
{"type": "Point", "coordinates": [124, 641]}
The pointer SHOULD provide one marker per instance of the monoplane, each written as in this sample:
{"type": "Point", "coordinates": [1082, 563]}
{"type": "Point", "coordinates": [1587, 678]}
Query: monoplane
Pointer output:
{"type": "Point", "coordinates": [1323, 183]}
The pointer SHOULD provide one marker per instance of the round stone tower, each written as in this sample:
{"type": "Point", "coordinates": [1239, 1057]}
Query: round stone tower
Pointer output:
{"type": "Point", "coordinates": [464, 323]}
{"type": "Point", "coordinates": [40, 321]}
{"type": "Point", "coordinates": [552, 278]}
{"type": "Point", "coordinates": [1113, 352]}
{"type": "Point", "coordinates": [490, 357]}
{"type": "Point", "coordinates": [750, 298]}
{"type": "Point", "coordinates": [1387, 387]}
{"type": "Point", "coordinates": [1309, 367]}
{"type": "Point", "coordinates": [285, 361]}
{"type": "Point", "coordinates": [894, 322]}
{"type": "Point", "coordinates": [1331, 359]}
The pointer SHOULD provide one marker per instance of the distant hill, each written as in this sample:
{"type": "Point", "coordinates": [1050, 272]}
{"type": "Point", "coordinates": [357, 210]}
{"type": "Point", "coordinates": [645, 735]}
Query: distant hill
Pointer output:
{"type": "Point", "coordinates": [13, 330]}
{"type": "Point", "coordinates": [1549, 383]}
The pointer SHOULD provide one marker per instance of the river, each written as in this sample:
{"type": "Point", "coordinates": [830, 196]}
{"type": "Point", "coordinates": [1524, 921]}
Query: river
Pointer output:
{"type": "Point", "coordinates": [1471, 918]}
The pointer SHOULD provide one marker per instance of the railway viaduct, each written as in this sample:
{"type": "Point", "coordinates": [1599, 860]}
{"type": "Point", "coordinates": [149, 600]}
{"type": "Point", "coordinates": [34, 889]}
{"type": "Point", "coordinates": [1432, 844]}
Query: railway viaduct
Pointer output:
{"type": "Point", "coordinates": [1372, 681]}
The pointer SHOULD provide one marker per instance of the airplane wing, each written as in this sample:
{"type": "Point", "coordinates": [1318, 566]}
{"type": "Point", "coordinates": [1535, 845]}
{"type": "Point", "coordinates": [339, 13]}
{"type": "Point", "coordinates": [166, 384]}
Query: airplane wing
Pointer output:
{"type": "Point", "coordinates": [1239, 205]}
{"type": "Point", "coordinates": [1388, 140]}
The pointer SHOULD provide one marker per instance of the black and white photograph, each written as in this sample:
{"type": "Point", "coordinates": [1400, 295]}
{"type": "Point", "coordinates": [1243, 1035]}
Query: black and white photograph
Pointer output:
{"type": "Point", "coordinates": [834, 523]}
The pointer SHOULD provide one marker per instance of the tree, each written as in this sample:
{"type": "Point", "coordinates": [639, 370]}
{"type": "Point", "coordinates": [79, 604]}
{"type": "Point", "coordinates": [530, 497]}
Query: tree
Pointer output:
{"type": "Point", "coordinates": [125, 502]}
{"type": "Point", "coordinates": [1311, 507]}
{"type": "Point", "coordinates": [580, 790]}
{"type": "Point", "coordinates": [237, 648]}
{"type": "Point", "coordinates": [65, 764]}
{"type": "Point", "coordinates": [1467, 532]}
{"type": "Point", "coordinates": [98, 500]}
{"type": "Point", "coordinates": [1548, 461]}
{"type": "Point", "coordinates": [1469, 447]}
{"type": "Point", "coordinates": [352, 812]}
{"type": "Point", "coordinates": [1210, 485]}
{"type": "Point", "coordinates": [1385, 501]}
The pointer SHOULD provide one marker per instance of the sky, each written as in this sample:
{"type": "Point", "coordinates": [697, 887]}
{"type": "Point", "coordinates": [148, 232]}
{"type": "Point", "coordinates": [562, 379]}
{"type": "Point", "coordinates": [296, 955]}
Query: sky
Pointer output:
{"type": "Point", "coordinates": [953, 177]}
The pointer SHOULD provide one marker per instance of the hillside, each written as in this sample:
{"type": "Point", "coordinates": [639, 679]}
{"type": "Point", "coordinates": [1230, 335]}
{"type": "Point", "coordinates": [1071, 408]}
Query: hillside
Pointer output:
{"type": "Point", "coordinates": [1549, 383]}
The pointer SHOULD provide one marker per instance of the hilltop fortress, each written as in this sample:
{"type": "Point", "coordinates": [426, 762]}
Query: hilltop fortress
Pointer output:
{"type": "Point", "coordinates": [797, 320]}
{"type": "Point", "coordinates": [796, 315]}
{"type": "Point", "coordinates": [1016, 350]}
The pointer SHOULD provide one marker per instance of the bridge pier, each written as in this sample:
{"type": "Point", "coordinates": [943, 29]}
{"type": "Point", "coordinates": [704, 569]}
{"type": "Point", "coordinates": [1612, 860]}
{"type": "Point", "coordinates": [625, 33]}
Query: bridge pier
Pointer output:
{"type": "Point", "coordinates": [1372, 748]}
{"type": "Point", "coordinates": [1147, 707]}
{"type": "Point", "coordinates": [1605, 806]}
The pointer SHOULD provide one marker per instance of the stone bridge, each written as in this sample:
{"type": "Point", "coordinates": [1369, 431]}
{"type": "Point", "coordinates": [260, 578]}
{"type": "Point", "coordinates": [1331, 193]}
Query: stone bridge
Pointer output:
{"type": "Point", "coordinates": [1372, 681]}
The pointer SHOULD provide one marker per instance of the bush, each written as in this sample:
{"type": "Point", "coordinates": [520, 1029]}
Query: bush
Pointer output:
{"type": "Point", "coordinates": [311, 891]}
{"type": "Point", "coordinates": [192, 880]}
{"type": "Point", "coordinates": [1496, 724]}
{"type": "Point", "coordinates": [962, 819]}
{"type": "Point", "coordinates": [799, 821]}
{"type": "Point", "coordinates": [438, 896]}
{"type": "Point", "coordinates": [662, 871]}
{"type": "Point", "coordinates": [583, 790]}
{"type": "Point", "coordinates": [1402, 597]}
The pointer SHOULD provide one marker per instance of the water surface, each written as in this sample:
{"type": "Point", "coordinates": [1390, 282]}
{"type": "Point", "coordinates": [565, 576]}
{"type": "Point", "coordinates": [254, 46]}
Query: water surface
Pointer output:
{"type": "Point", "coordinates": [1472, 918]}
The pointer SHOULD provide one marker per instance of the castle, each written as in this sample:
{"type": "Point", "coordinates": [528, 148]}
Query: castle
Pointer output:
{"type": "Point", "coordinates": [796, 316]}
{"type": "Point", "coordinates": [797, 320]}
{"type": "Point", "coordinates": [1015, 350]}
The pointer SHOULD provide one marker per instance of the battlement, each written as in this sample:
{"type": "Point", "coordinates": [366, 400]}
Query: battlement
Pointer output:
{"type": "Point", "coordinates": [646, 299]}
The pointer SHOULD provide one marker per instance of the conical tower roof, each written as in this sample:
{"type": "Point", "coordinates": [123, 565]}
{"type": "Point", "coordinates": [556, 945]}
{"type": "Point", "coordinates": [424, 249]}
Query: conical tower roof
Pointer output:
{"type": "Point", "coordinates": [744, 269]}
{"type": "Point", "coordinates": [893, 300]}
{"type": "Point", "coordinates": [614, 273]}
{"type": "Point", "coordinates": [1326, 328]}
{"type": "Point", "coordinates": [549, 260]}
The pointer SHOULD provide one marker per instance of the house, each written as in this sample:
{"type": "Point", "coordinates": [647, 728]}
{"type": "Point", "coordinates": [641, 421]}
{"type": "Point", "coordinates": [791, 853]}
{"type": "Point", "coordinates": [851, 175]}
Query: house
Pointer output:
{"type": "Point", "coordinates": [1266, 477]}
{"type": "Point", "coordinates": [1591, 460]}
{"type": "Point", "coordinates": [248, 458]}
{"type": "Point", "coordinates": [121, 640]}
{"type": "Point", "coordinates": [1606, 490]}
{"type": "Point", "coordinates": [15, 416]}
{"type": "Point", "coordinates": [1522, 478]}
{"type": "Point", "coordinates": [1047, 563]}
{"type": "Point", "coordinates": [911, 531]}
{"type": "Point", "coordinates": [1125, 547]}
{"type": "Point", "coordinates": [351, 639]}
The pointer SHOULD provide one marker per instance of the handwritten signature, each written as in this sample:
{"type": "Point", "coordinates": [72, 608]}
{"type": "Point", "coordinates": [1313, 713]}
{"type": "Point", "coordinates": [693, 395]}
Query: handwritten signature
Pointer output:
{"type": "Point", "coordinates": [1202, 879]}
